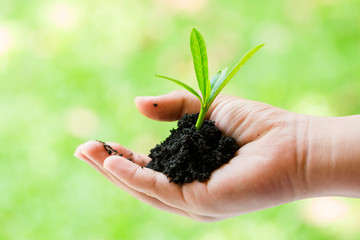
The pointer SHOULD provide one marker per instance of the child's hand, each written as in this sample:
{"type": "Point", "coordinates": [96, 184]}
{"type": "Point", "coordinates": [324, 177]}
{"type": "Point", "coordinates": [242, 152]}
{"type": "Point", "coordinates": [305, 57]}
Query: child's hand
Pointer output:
{"type": "Point", "coordinates": [283, 157]}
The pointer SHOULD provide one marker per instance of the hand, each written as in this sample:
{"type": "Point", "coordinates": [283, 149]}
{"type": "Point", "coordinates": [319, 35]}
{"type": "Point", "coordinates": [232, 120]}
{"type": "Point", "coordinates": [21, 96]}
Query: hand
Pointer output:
{"type": "Point", "coordinates": [273, 166]}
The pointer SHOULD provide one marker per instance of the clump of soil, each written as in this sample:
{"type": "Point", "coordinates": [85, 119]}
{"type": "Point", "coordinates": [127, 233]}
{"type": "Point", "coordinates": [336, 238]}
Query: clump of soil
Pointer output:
{"type": "Point", "coordinates": [112, 151]}
{"type": "Point", "coordinates": [189, 154]}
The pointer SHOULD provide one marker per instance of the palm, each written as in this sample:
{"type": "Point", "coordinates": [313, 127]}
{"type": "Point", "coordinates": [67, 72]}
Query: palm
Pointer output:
{"type": "Point", "coordinates": [263, 168]}
{"type": "Point", "coordinates": [260, 176]}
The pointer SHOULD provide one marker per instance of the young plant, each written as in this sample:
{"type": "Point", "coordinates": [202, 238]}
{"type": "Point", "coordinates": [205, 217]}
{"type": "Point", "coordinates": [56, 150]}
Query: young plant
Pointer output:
{"type": "Point", "coordinates": [209, 89]}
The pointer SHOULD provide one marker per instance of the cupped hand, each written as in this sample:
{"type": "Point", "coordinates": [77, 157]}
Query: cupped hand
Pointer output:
{"type": "Point", "coordinates": [268, 169]}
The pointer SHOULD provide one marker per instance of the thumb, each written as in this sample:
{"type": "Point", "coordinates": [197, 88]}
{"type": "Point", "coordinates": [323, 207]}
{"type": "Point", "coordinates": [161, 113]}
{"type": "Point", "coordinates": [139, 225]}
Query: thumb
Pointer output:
{"type": "Point", "coordinates": [168, 107]}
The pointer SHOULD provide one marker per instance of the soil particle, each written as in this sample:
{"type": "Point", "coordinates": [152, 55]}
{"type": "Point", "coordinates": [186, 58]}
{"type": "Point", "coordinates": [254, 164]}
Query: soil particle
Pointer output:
{"type": "Point", "coordinates": [189, 154]}
{"type": "Point", "coordinates": [155, 104]}
{"type": "Point", "coordinates": [111, 151]}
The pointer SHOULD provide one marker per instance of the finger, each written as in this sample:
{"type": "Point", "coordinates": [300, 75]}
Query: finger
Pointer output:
{"type": "Point", "coordinates": [146, 180]}
{"type": "Point", "coordinates": [138, 195]}
{"type": "Point", "coordinates": [96, 150]}
{"type": "Point", "coordinates": [152, 201]}
{"type": "Point", "coordinates": [78, 153]}
{"type": "Point", "coordinates": [168, 107]}
{"type": "Point", "coordinates": [93, 165]}
{"type": "Point", "coordinates": [138, 158]}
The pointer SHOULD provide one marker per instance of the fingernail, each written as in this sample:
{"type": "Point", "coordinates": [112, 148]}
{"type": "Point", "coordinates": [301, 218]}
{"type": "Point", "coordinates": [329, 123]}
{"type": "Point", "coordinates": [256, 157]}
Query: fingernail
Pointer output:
{"type": "Point", "coordinates": [105, 165]}
{"type": "Point", "coordinates": [80, 156]}
{"type": "Point", "coordinates": [83, 154]}
{"type": "Point", "coordinates": [143, 97]}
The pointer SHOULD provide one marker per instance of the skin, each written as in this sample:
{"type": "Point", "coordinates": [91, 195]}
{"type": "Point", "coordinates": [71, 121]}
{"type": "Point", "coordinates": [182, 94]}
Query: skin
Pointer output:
{"type": "Point", "coordinates": [284, 157]}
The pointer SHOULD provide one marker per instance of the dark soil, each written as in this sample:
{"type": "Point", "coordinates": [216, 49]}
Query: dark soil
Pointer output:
{"type": "Point", "coordinates": [189, 154]}
{"type": "Point", "coordinates": [112, 151]}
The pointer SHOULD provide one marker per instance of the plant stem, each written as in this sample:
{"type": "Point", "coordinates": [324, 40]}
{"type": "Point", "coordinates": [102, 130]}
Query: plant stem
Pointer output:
{"type": "Point", "coordinates": [201, 117]}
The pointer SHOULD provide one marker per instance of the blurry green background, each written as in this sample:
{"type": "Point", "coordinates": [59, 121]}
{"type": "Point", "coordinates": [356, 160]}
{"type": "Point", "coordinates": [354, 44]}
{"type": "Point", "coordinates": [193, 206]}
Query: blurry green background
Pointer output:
{"type": "Point", "coordinates": [69, 71]}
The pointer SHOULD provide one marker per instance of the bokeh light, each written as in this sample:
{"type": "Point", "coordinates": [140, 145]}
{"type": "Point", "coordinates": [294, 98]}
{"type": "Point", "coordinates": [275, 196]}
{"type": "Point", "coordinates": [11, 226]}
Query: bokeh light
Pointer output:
{"type": "Point", "coordinates": [6, 40]}
{"type": "Point", "coordinates": [81, 122]}
{"type": "Point", "coordinates": [63, 15]}
{"type": "Point", "coordinates": [184, 5]}
{"type": "Point", "coordinates": [325, 211]}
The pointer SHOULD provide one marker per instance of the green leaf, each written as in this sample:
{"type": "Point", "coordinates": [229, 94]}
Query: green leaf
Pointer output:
{"type": "Point", "coordinates": [214, 79]}
{"type": "Point", "coordinates": [237, 67]}
{"type": "Point", "coordinates": [221, 78]}
{"type": "Point", "coordinates": [215, 86]}
{"type": "Point", "coordinates": [200, 59]}
{"type": "Point", "coordinates": [208, 91]}
{"type": "Point", "coordinates": [187, 87]}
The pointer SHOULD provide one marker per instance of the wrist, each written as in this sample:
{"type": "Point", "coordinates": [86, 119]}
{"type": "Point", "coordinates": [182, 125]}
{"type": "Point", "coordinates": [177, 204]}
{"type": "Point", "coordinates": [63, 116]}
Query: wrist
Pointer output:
{"type": "Point", "coordinates": [332, 156]}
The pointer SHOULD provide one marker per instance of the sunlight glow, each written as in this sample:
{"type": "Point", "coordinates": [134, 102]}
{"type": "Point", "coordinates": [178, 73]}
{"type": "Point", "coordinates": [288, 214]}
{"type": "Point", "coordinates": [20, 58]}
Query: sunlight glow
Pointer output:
{"type": "Point", "coordinates": [63, 15]}
{"type": "Point", "coordinates": [6, 40]}
{"type": "Point", "coordinates": [81, 122]}
{"type": "Point", "coordinates": [313, 104]}
{"type": "Point", "coordinates": [323, 211]}
{"type": "Point", "coordinates": [276, 36]}
{"type": "Point", "coordinates": [184, 5]}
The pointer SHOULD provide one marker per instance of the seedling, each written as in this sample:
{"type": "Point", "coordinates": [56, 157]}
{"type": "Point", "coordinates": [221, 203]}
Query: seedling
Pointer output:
{"type": "Point", "coordinates": [209, 89]}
